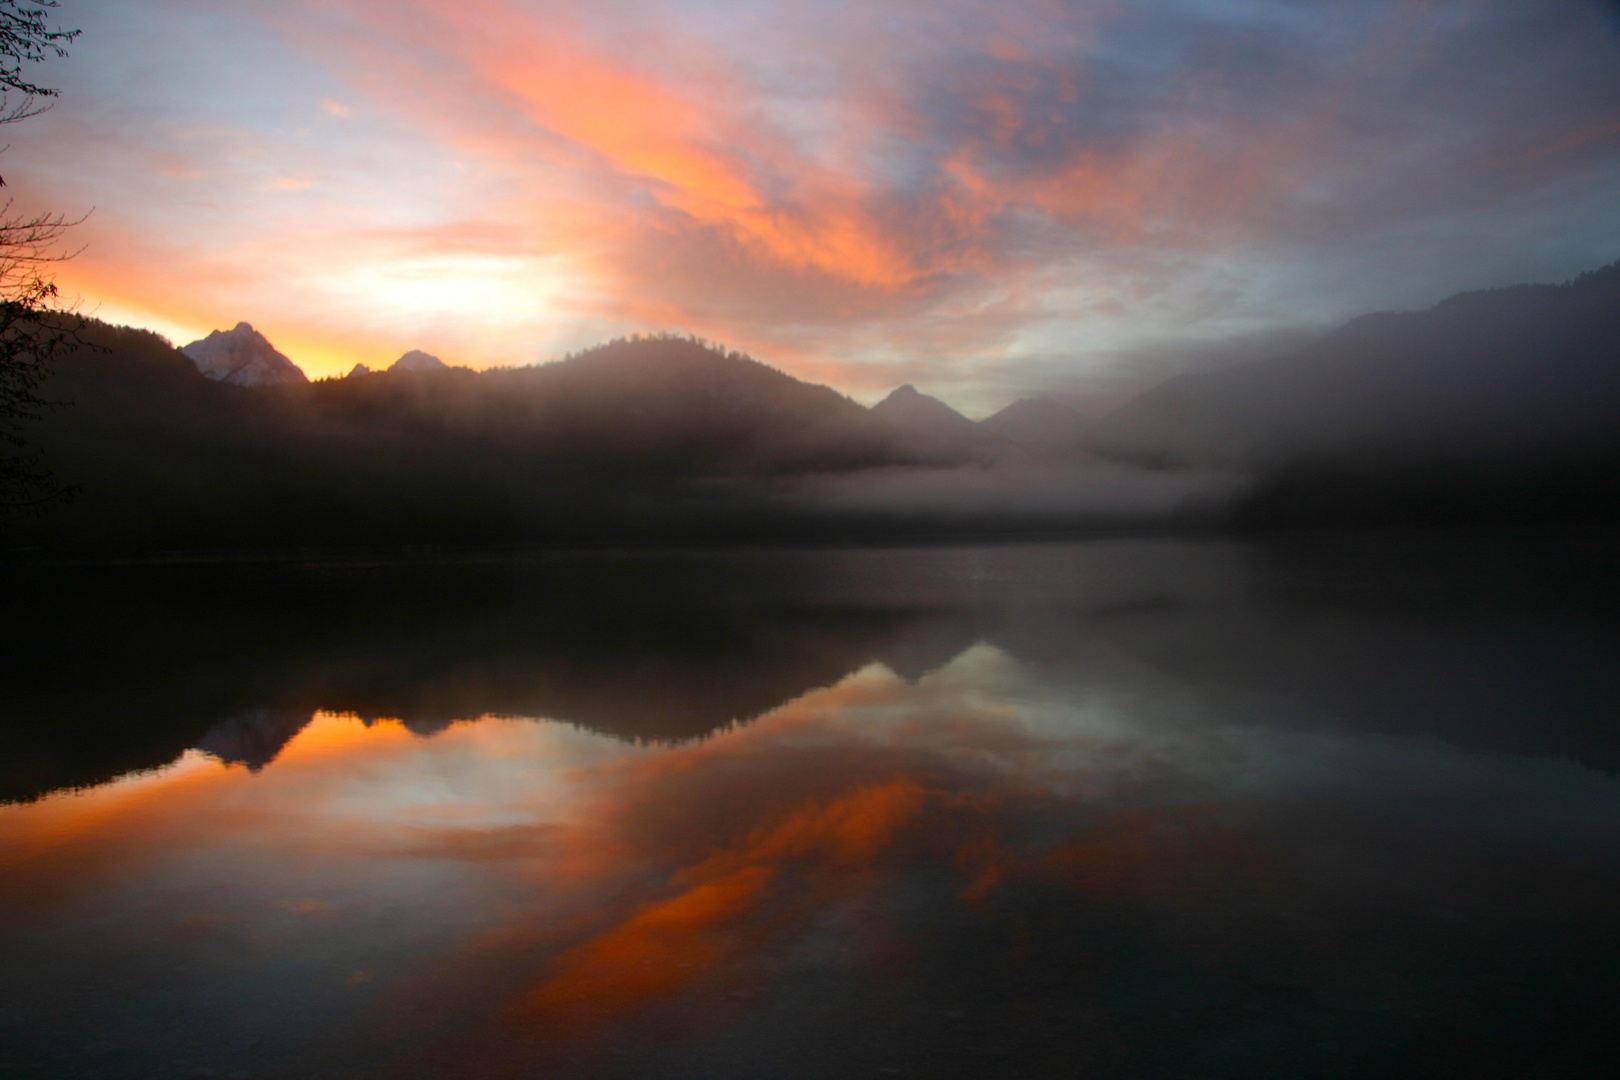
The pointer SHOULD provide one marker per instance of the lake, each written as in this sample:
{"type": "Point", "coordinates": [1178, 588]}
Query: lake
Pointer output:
{"type": "Point", "coordinates": [1325, 807]}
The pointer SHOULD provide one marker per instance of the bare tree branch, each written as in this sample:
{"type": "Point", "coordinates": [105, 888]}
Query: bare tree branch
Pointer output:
{"type": "Point", "coordinates": [26, 38]}
{"type": "Point", "coordinates": [34, 326]}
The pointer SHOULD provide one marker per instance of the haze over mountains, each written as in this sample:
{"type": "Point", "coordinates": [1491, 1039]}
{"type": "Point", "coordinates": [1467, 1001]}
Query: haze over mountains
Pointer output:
{"type": "Point", "coordinates": [1038, 424]}
{"type": "Point", "coordinates": [1505, 372]}
{"type": "Point", "coordinates": [1491, 406]}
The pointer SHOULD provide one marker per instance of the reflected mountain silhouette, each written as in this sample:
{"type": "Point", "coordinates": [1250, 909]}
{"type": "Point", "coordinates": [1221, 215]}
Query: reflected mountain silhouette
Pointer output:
{"type": "Point", "coordinates": [254, 738]}
{"type": "Point", "coordinates": [1492, 643]}
{"type": "Point", "coordinates": [671, 675]}
{"type": "Point", "coordinates": [122, 669]}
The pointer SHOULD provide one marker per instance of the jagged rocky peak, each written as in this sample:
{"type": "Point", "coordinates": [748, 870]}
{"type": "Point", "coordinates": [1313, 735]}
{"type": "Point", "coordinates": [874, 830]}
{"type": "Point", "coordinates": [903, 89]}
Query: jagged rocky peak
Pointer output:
{"type": "Point", "coordinates": [417, 360]}
{"type": "Point", "coordinates": [244, 357]}
{"type": "Point", "coordinates": [358, 369]}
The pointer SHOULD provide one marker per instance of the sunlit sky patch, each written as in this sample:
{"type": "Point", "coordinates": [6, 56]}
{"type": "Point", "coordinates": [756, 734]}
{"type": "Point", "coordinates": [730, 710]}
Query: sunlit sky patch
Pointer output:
{"type": "Point", "coordinates": [983, 197]}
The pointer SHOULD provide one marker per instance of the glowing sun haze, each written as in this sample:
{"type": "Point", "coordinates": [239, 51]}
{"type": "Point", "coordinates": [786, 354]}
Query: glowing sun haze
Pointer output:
{"type": "Point", "coordinates": [984, 197]}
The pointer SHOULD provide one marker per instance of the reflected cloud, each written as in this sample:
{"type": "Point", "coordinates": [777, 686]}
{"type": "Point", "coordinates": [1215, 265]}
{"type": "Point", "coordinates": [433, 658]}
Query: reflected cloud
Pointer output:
{"type": "Point", "coordinates": [532, 899]}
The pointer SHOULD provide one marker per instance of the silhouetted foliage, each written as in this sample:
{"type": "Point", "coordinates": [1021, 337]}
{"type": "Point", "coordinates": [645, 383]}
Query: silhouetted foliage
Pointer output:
{"type": "Point", "coordinates": [28, 344]}
{"type": "Point", "coordinates": [30, 335]}
{"type": "Point", "coordinates": [27, 38]}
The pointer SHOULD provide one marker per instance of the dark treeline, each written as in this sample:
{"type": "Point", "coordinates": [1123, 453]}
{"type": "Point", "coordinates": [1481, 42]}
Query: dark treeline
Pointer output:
{"type": "Point", "coordinates": [653, 438]}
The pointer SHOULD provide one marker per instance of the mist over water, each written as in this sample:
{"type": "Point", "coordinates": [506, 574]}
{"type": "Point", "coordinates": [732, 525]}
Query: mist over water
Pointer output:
{"type": "Point", "coordinates": [1131, 808]}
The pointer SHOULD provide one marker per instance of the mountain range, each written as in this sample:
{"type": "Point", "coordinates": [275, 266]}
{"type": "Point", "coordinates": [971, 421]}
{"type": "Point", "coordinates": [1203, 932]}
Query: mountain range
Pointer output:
{"type": "Point", "coordinates": [242, 356]}
{"type": "Point", "coordinates": [1500, 372]}
{"type": "Point", "coordinates": [1490, 406]}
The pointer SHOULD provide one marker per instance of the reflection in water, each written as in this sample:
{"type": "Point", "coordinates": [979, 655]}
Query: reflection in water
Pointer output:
{"type": "Point", "coordinates": [1115, 810]}
{"type": "Point", "coordinates": [254, 738]}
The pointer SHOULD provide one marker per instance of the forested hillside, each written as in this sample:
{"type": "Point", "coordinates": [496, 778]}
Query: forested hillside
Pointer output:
{"type": "Point", "coordinates": [639, 439]}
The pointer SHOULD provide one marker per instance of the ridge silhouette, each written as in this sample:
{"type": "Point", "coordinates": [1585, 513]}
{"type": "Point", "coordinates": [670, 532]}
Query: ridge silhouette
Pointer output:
{"type": "Point", "coordinates": [1500, 406]}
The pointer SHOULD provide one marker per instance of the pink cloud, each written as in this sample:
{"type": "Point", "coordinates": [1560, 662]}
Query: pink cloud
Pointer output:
{"type": "Point", "coordinates": [850, 192]}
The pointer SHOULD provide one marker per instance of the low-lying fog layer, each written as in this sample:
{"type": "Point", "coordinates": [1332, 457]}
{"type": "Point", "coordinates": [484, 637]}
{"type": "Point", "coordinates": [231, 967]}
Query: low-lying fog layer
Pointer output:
{"type": "Point", "coordinates": [1023, 491]}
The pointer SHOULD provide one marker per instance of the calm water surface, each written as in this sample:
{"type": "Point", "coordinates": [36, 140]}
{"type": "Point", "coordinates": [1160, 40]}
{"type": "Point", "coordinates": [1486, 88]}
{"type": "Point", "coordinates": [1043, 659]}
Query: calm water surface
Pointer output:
{"type": "Point", "coordinates": [1145, 809]}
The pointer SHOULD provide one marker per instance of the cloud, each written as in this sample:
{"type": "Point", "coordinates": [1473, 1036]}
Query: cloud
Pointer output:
{"type": "Point", "coordinates": [854, 193]}
{"type": "Point", "coordinates": [286, 183]}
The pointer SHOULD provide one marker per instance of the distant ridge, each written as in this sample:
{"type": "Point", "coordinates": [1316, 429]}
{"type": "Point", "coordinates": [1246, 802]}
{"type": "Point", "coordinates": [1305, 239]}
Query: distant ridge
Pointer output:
{"type": "Point", "coordinates": [1495, 373]}
{"type": "Point", "coordinates": [925, 429]}
{"type": "Point", "coordinates": [1498, 406]}
{"type": "Point", "coordinates": [919, 414]}
{"type": "Point", "coordinates": [243, 357]}
{"type": "Point", "coordinates": [1038, 424]}
{"type": "Point", "coordinates": [417, 360]}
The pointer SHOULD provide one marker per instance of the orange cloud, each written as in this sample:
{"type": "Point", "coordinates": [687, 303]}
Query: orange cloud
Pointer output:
{"type": "Point", "coordinates": [852, 193]}
{"type": "Point", "coordinates": [686, 150]}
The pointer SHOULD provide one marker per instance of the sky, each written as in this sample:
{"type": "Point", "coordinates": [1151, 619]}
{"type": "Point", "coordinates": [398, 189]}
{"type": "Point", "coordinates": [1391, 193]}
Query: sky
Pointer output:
{"type": "Point", "coordinates": [985, 198]}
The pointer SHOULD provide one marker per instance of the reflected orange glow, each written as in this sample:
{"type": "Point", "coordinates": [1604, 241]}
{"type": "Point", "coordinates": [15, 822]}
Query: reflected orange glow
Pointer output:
{"type": "Point", "coordinates": [621, 913]}
{"type": "Point", "coordinates": [672, 944]}
{"type": "Point", "coordinates": [853, 829]}
{"type": "Point", "coordinates": [657, 950]}
{"type": "Point", "coordinates": [59, 820]}
{"type": "Point", "coordinates": [341, 734]}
